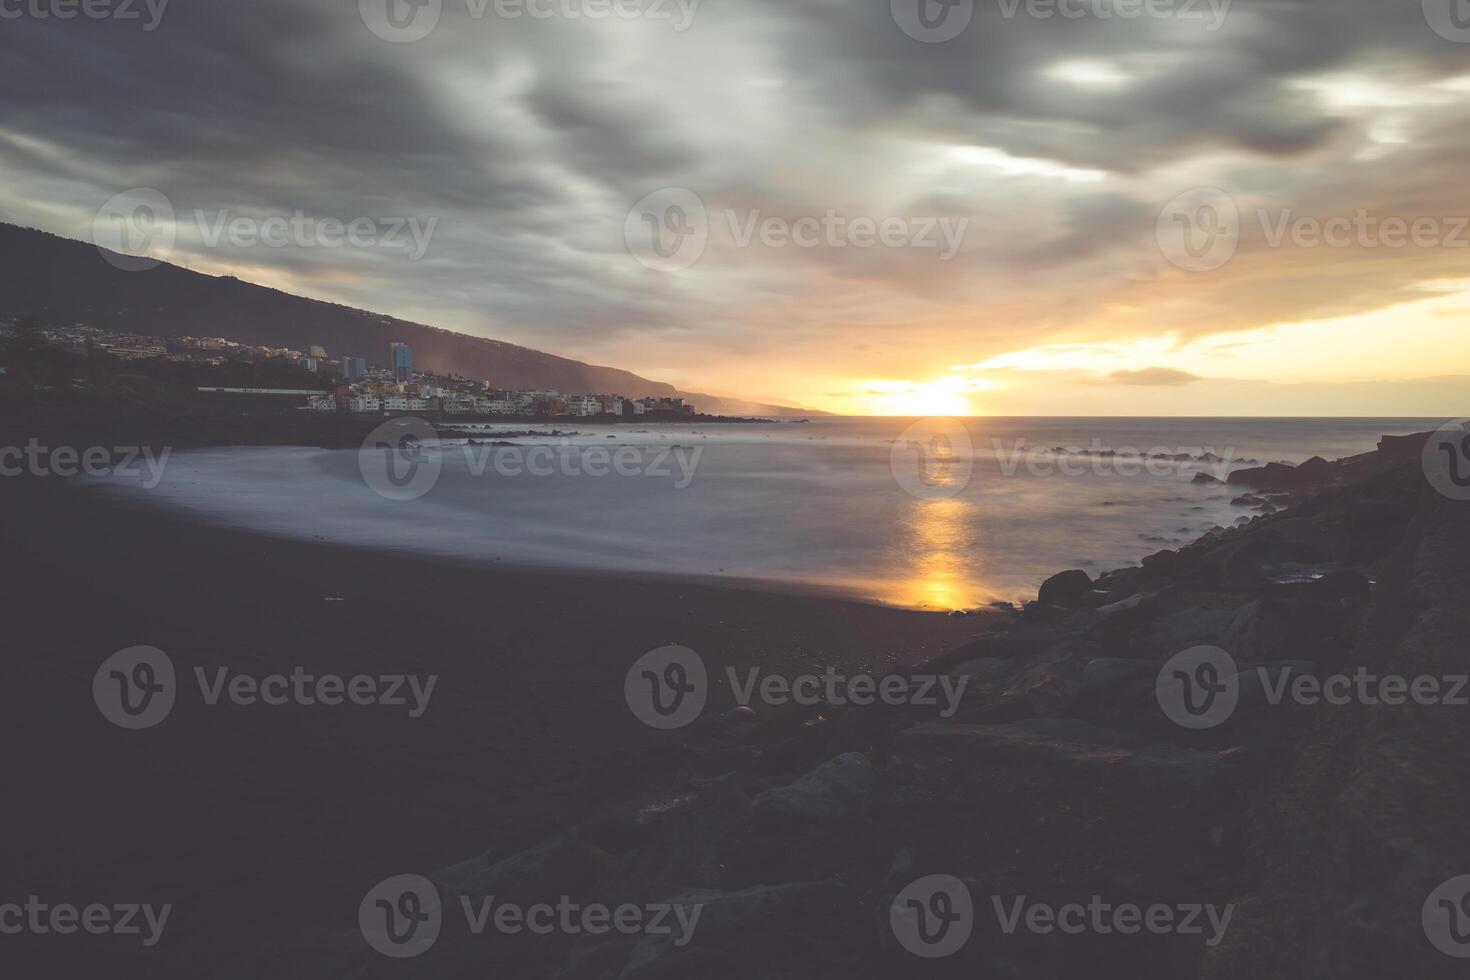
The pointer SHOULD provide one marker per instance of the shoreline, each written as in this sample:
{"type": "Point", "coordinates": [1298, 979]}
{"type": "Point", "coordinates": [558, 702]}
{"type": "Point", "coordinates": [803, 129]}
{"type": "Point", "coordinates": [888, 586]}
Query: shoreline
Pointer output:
{"type": "Point", "coordinates": [529, 748]}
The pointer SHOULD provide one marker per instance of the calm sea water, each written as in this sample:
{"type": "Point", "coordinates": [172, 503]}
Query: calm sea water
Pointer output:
{"type": "Point", "coordinates": [938, 514]}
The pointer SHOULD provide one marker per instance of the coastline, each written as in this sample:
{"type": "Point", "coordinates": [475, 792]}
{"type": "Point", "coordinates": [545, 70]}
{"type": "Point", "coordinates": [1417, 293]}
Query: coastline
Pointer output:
{"type": "Point", "coordinates": [531, 760]}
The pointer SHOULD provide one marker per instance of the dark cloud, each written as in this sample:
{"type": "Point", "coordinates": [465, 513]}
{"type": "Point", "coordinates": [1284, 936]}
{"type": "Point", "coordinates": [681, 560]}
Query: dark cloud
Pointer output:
{"type": "Point", "coordinates": [1057, 140]}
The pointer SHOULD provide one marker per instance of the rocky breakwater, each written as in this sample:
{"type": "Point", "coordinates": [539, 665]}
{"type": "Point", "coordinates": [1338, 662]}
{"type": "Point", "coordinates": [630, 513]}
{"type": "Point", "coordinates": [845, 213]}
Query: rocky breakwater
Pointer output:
{"type": "Point", "coordinates": [1135, 780]}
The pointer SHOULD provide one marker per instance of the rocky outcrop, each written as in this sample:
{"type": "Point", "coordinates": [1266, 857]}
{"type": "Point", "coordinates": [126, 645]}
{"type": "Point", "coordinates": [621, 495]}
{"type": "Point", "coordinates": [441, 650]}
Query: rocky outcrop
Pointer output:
{"type": "Point", "coordinates": [1063, 774]}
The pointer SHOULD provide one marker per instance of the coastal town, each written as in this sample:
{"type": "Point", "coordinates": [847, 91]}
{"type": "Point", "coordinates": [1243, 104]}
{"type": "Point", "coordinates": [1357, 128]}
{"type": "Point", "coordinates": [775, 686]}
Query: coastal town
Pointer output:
{"type": "Point", "coordinates": [349, 383]}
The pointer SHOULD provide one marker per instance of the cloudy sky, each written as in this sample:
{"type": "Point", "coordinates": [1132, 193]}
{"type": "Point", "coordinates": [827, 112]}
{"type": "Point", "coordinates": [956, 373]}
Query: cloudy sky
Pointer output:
{"type": "Point", "coordinates": [1255, 207]}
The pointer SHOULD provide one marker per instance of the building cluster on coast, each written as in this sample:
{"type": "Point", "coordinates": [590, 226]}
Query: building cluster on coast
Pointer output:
{"type": "Point", "coordinates": [399, 388]}
{"type": "Point", "coordinates": [360, 387]}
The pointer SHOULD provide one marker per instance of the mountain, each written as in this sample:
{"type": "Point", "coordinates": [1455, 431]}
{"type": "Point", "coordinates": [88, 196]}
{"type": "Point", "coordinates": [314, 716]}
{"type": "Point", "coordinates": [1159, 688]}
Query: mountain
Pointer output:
{"type": "Point", "coordinates": [64, 282]}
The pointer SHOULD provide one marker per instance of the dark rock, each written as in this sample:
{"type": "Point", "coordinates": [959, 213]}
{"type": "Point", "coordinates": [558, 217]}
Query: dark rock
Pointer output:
{"type": "Point", "coordinates": [835, 790]}
{"type": "Point", "coordinates": [1065, 588]}
{"type": "Point", "coordinates": [557, 866]}
{"type": "Point", "coordinates": [1066, 746]}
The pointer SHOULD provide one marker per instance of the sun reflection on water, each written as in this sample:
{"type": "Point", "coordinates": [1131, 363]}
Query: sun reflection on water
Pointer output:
{"type": "Point", "coordinates": [941, 538]}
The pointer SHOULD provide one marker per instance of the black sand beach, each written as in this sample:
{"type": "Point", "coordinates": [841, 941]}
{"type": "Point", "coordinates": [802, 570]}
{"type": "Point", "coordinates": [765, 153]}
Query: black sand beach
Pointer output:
{"type": "Point", "coordinates": [260, 823]}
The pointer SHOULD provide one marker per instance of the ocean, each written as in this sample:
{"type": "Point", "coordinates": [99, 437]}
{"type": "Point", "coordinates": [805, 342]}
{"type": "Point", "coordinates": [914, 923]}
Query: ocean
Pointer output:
{"type": "Point", "coordinates": [937, 514]}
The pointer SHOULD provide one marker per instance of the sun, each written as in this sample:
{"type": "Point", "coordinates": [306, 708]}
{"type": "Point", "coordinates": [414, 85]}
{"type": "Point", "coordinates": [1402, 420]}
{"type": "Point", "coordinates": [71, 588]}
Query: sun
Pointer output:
{"type": "Point", "coordinates": [946, 396]}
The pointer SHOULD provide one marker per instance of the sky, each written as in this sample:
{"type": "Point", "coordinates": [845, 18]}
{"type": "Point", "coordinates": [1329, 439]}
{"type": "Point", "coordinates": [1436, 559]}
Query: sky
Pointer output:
{"type": "Point", "coordinates": [1025, 207]}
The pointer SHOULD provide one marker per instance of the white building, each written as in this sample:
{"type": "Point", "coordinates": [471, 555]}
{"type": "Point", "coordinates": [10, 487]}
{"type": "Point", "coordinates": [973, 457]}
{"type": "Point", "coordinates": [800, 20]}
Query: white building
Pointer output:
{"type": "Point", "coordinates": [366, 403]}
{"type": "Point", "coordinates": [583, 405]}
{"type": "Point", "coordinates": [322, 403]}
{"type": "Point", "coordinates": [458, 404]}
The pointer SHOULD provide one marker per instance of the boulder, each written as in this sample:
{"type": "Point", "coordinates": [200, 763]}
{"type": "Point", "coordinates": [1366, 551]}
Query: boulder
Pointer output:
{"type": "Point", "coordinates": [1065, 588]}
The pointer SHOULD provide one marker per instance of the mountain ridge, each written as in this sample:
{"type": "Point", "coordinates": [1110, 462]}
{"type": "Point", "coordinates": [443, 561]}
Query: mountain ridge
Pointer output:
{"type": "Point", "coordinates": [67, 281]}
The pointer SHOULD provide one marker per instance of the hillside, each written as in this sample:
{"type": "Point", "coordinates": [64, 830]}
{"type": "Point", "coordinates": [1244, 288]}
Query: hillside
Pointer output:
{"type": "Point", "coordinates": [64, 281]}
